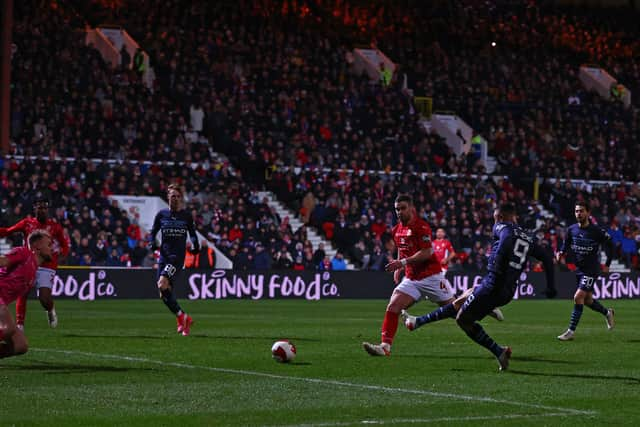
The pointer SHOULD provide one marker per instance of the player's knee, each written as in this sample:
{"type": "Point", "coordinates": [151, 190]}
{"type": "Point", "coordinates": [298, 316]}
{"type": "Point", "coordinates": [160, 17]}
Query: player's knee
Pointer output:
{"type": "Point", "coordinates": [8, 331]}
{"type": "Point", "coordinates": [163, 283]}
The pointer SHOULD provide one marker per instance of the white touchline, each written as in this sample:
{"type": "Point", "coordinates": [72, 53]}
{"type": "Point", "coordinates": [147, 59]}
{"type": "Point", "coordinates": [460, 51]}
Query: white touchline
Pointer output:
{"type": "Point", "coordinates": [318, 381]}
{"type": "Point", "coordinates": [431, 420]}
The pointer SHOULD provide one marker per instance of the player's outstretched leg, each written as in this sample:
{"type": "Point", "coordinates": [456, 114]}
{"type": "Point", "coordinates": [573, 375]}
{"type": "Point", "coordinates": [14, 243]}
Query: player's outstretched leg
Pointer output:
{"type": "Point", "coordinates": [12, 340]}
{"type": "Point", "coordinates": [413, 322]}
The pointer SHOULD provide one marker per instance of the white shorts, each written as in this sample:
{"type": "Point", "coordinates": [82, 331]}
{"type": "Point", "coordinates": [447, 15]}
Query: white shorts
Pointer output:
{"type": "Point", "coordinates": [44, 277]}
{"type": "Point", "coordinates": [435, 288]}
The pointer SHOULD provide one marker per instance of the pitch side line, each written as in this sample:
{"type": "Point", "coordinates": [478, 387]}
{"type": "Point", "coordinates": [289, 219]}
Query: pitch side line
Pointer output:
{"type": "Point", "coordinates": [430, 420]}
{"type": "Point", "coordinates": [319, 381]}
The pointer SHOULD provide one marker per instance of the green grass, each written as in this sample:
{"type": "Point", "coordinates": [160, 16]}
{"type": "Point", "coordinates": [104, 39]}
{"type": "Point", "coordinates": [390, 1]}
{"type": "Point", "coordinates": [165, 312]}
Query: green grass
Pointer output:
{"type": "Point", "coordinates": [121, 363]}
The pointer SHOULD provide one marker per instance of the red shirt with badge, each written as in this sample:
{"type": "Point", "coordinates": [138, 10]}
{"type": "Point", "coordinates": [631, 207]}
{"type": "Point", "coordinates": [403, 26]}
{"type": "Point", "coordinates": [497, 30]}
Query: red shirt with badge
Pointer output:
{"type": "Point", "coordinates": [410, 239]}
{"type": "Point", "coordinates": [28, 225]}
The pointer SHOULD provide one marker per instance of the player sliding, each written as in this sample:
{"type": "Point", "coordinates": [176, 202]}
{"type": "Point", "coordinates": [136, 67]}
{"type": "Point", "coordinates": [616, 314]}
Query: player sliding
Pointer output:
{"type": "Point", "coordinates": [174, 224]}
{"type": "Point", "coordinates": [17, 276]}
{"type": "Point", "coordinates": [584, 240]}
{"type": "Point", "coordinates": [509, 251]}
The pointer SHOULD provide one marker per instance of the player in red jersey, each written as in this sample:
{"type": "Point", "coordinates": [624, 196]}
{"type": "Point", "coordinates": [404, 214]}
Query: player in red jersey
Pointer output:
{"type": "Point", "coordinates": [47, 271]}
{"type": "Point", "coordinates": [423, 275]}
{"type": "Point", "coordinates": [443, 249]}
{"type": "Point", "coordinates": [17, 276]}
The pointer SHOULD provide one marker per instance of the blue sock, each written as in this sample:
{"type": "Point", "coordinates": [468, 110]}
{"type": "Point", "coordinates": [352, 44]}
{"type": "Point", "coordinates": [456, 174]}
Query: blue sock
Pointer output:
{"type": "Point", "coordinates": [575, 316]}
{"type": "Point", "coordinates": [596, 306]}
{"type": "Point", "coordinates": [478, 334]}
{"type": "Point", "coordinates": [440, 313]}
{"type": "Point", "coordinates": [170, 301]}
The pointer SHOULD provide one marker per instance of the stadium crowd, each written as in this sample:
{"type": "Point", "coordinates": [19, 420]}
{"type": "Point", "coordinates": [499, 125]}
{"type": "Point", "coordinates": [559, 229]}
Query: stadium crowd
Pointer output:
{"type": "Point", "coordinates": [270, 85]}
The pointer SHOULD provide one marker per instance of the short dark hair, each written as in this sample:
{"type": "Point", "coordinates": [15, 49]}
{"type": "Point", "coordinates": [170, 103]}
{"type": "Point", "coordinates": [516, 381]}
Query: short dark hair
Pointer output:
{"type": "Point", "coordinates": [585, 205]}
{"type": "Point", "coordinates": [507, 209]}
{"type": "Point", "coordinates": [37, 235]}
{"type": "Point", "coordinates": [404, 198]}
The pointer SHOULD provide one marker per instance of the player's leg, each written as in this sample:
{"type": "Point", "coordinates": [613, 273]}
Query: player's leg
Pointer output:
{"type": "Point", "coordinates": [595, 305]}
{"type": "Point", "coordinates": [12, 340]}
{"type": "Point", "coordinates": [166, 276]}
{"type": "Point", "coordinates": [21, 310]}
{"type": "Point", "coordinates": [44, 284]}
{"type": "Point", "coordinates": [479, 304]}
{"type": "Point", "coordinates": [403, 297]}
{"type": "Point", "coordinates": [438, 290]}
{"type": "Point", "coordinates": [585, 287]}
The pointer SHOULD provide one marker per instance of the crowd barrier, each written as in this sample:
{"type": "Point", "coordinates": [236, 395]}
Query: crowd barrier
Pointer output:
{"type": "Point", "coordinates": [88, 284]}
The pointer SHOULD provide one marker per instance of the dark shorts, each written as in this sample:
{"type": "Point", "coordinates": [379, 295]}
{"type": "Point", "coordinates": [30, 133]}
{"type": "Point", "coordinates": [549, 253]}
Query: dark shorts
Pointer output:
{"type": "Point", "coordinates": [169, 271]}
{"type": "Point", "coordinates": [585, 282]}
{"type": "Point", "coordinates": [482, 301]}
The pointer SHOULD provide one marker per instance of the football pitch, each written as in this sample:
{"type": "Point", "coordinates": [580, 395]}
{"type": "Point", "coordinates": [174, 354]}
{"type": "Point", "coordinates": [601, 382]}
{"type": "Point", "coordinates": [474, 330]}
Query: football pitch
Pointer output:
{"type": "Point", "coordinates": [121, 363]}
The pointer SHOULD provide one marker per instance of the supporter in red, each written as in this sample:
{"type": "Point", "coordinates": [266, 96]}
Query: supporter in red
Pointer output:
{"type": "Point", "coordinates": [17, 276]}
{"type": "Point", "coordinates": [423, 275]}
{"type": "Point", "coordinates": [47, 271]}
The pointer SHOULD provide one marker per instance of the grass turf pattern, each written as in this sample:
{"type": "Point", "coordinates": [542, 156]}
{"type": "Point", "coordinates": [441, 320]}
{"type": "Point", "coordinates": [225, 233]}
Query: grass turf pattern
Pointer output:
{"type": "Point", "coordinates": [122, 363]}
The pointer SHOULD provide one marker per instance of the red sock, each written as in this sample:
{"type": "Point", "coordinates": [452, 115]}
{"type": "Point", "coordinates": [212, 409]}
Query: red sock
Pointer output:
{"type": "Point", "coordinates": [389, 327]}
{"type": "Point", "coordinates": [21, 309]}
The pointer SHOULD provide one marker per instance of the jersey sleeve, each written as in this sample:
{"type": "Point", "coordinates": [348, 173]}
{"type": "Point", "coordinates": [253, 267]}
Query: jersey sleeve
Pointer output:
{"type": "Point", "coordinates": [63, 240]}
{"type": "Point", "coordinates": [607, 245]}
{"type": "Point", "coordinates": [423, 236]}
{"type": "Point", "coordinates": [20, 226]}
{"type": "Point", "coordinates": [566, 243]}
{"type": "Point", "coordinates": [192, 232]}
{"type": "Point", "coordinates": [540, 254]}
{"type": "Point", "coordinates": [154, 229]}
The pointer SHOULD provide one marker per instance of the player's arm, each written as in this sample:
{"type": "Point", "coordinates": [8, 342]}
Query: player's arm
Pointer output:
{"type": "Point", "coordinates": [452, 254]}
{"type": "Point", "coordinates": [564, 247]}
{"type": "Point", "coordinates": [540, 254]}
{"type": "Point", "coordinates": [397, 274]}
{"type": "Point", "coordinates": [421, 256]}
{"type": "Point", "coordinates": [191, 228]}
{"type": "Point", "coordinates": [607, 245]}
{"type": "Point", "coordinates": [154, 230]}
{"type": "Point", "coordinates": [17, 227]}
{"type": "Point", "coordinates": [63, 241]}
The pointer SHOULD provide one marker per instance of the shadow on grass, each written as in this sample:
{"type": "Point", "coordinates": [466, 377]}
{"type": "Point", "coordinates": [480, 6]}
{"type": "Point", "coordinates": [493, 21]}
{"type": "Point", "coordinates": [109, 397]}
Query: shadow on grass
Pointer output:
{"type": "Point", "coordinates": [147, 337]}
{"type": "Point", "coordinates": [588, 376]}
{"type": "Point", "coordinates": [51, 368]}
{"type": "Point", "coordinates": [209, 336]}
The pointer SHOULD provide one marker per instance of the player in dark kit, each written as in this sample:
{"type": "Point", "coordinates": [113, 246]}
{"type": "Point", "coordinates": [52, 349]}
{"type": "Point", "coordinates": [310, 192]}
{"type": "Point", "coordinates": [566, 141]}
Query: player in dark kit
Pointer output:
{"type": "Point", "coordinates": [509, 251]}
{"type": "Point", "coordinates": [174, 224]}
{"type": "Point", "coordinates": [584, 240]}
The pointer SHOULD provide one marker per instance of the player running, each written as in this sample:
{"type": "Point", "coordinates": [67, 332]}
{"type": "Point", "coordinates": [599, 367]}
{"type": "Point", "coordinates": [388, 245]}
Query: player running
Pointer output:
{"type": "Point", "coordinates": [47, 271]}
{"type": "Point", "coordinates": [17, 275]}
{"type": "Point", "coordinates": [584, 240]}
{"type": "Point", "coordinates": [174, 224]}
{"type": "Point", "coordinates": [423, 275]}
